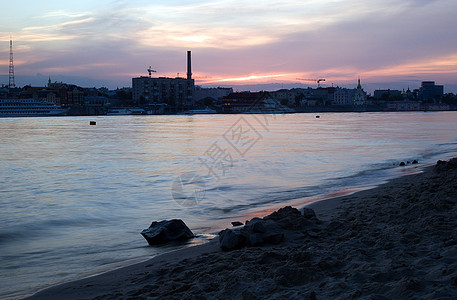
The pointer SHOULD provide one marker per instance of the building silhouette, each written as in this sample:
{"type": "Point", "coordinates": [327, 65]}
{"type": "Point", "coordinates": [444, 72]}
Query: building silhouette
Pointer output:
{"type": "Point", "coordinates": [429, 90]}
{"type": "Point", "coordinates": [176, 91]}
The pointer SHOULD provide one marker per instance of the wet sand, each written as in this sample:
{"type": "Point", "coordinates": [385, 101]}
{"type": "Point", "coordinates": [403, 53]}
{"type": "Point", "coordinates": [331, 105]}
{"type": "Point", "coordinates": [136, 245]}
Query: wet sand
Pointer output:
{"type": "Point", "coordinates": [396, 241]}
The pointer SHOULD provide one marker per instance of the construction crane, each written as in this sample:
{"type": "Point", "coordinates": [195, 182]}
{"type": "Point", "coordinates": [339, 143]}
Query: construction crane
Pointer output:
{"type": "Point", "coordinates": [150, 71]}
{"type": "Point", "coordinates": [318, 81]}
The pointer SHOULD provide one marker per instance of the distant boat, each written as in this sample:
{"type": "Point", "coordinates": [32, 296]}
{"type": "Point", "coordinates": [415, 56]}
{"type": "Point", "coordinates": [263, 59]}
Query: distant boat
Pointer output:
{"type": "Point", "coordinates": [198, 111]}
{"type": "Point", "coordinates": [30, 108]}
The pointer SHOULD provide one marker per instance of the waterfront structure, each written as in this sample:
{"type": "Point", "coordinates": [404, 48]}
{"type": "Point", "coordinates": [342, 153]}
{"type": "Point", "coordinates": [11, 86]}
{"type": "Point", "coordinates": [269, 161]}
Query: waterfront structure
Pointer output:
{"type": "Point", "coordinates": [58, 93]}
{"type": "Point", "coordinates": [29, 108]}
{"type": "Point", "coordinates": [387, 94]}
{"type": "Point", "coordinates": [407, 94]}
{"type": "Point", "coordinates": [244, 102]}
{"type": "Point", "coordinates": [173, 91]}
{"type": "Point", "coordinates": [217, 93]}
{"type": "Point", "coordinates": [313, 97]}
{"type": "Point", "coordinates": [342, 96]}
{"type": "Point", "coordinates": [286, 97]}
{"type": "Point", "coordinates": [403, 105]}
{"type": "Point", "coordinates": [324, 94]}
{"type": "Point", "coordinates": [430, 91]}
{"type": "Point", "coordinates": [4, 91]}
{"type": "Point", "coordinates": [345, 96]}
{"type": "Point", "coordinates": [435, 106]}
{"type": "Point", "coordinates": [360, 96]}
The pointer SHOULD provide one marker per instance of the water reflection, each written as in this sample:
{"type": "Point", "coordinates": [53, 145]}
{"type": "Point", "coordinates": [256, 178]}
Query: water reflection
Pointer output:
{"type": "Point", "coordinates": [70, 189]}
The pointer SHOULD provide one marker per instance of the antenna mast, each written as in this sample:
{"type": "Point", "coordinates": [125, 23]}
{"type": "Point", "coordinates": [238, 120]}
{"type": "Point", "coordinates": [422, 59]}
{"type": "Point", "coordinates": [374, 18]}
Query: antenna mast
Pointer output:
{"type": "Point", "coordinates": [11, 83]}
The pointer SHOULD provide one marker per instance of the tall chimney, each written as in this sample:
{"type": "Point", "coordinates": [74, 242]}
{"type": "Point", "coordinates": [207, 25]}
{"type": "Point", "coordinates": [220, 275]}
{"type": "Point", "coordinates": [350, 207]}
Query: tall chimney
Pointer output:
{"type": "Point", "coordinates": [189, 65]}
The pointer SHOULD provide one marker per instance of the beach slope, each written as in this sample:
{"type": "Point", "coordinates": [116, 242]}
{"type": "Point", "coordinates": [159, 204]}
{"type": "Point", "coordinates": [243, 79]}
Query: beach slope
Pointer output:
{"type": "Point", "coordinates": [396, 241]}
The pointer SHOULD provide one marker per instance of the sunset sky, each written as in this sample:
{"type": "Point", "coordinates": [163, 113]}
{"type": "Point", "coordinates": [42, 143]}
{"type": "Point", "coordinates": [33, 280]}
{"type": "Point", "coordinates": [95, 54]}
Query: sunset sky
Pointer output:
{"type": "Point", "coordinates": [389, 43]}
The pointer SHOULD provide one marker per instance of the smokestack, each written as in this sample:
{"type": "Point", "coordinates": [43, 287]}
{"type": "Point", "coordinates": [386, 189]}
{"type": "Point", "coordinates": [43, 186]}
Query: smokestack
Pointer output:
{"type": "Point", "coordinates": [189, 65]}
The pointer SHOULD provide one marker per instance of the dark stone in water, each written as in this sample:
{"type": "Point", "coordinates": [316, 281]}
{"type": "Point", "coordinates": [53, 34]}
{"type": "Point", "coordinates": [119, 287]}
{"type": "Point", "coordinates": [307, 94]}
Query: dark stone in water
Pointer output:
{"type": "Point", "coordinates": [415, 162]}
{"type": "Point", "coordinates": [167, 231]}
{"type": "Point", "coordinates": [402, 163]}
{"type": "Point", "coordinates": [237, 223]}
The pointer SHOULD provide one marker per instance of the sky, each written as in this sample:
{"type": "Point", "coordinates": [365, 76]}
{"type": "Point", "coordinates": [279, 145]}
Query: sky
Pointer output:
{"type": "Point", "coordinates": [270, 44]}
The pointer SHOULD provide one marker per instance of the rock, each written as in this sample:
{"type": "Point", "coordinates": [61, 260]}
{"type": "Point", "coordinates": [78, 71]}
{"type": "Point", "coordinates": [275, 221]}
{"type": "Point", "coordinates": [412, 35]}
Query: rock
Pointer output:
{"type": "Point", "coordinates": [290, 218]}
{"type": "Point", "coordinates": [415, 162]}
{"type": "Point", "coordinates": [259, 232]}
{"type": "Point", "coordinates": [166, 231]}
{"type": "Point", "coordinates": [269, 230]}
{"type": "Point", "coordinates": [308, 213]}
{"type": "Point", "coordinates": [256, 225]}
{"type": "Point", "coordinates": [402, 163]}
{"type": "Point", "coordinates": [237, 223]}
{"type": "Point", "coordinates": [231, 239]}
{"type": "Point", "coordinates": [442, 166]}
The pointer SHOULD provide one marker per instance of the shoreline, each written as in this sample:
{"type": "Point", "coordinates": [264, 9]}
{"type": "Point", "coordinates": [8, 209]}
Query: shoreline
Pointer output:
{"type": "Point", "coordinates": [318, 203]}
{"type": "Point", "coordinates": [354, 254]}
{"type": "Point", "coordinates": [274, 112]}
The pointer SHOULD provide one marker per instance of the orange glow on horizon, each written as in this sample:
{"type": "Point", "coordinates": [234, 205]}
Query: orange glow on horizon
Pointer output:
{"type": "Point", "coordinates": [251, 79]}
{"type": "Point", "coordinates": [345, 75]}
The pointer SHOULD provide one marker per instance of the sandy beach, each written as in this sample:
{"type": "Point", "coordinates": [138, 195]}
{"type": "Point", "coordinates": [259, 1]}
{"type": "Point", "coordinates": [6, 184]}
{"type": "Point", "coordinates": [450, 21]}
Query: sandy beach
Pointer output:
{"type": "Point", "coordinates": [396, 241]}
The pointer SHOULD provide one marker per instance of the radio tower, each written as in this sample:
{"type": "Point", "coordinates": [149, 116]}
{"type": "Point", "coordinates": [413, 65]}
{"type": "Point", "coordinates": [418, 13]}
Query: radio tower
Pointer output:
{"type": "Point", "coordinates": [11, 83]}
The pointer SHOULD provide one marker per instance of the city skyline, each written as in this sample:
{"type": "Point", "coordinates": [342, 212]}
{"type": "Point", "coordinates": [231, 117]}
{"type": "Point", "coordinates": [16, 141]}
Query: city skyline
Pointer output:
{"type": "Point", "coordinates": [390, 44]}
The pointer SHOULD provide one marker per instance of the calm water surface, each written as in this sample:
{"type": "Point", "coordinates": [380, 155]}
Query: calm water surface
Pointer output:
{"type": "Point", "coordinates": [74, 197]}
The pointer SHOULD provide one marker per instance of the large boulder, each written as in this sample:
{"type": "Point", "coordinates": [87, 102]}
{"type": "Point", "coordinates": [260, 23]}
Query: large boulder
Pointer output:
{"type": "Point", "coordinates": [167, 231]}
